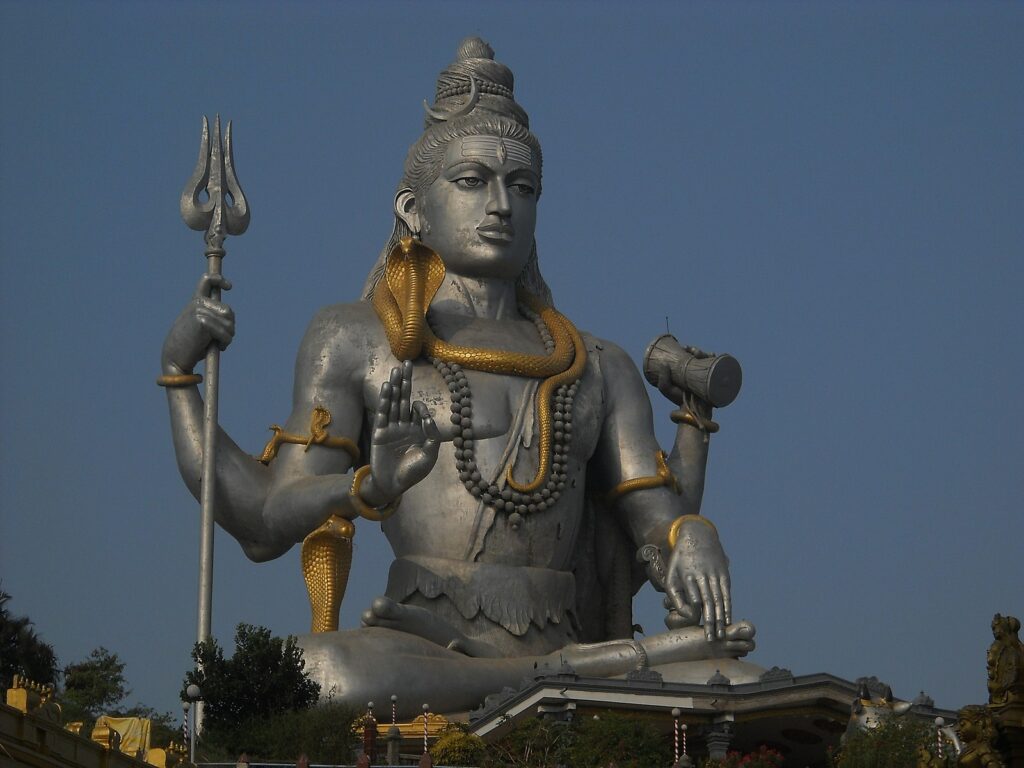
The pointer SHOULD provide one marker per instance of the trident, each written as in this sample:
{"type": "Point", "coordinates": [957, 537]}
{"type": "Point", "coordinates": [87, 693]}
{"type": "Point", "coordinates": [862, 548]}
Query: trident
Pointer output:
{"type": "Point", "coordinates": [224, 212]}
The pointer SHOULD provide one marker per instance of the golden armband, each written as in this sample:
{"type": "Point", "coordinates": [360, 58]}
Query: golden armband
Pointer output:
{"type": "Point", "coordinates": [317, 436]}
{"type": "Point", "coordinates": [180, 380]}
{"type": "Point", "coordinates": [673, 531]}
{"type": "Point", "coordinates": [376, 514]}
{"type": "Point", "coordinates": [664, 477]}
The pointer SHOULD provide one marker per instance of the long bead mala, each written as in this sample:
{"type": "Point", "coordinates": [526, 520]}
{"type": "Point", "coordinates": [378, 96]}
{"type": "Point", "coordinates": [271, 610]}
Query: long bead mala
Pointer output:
{"type": "Point", "coordinates": [505, 499]}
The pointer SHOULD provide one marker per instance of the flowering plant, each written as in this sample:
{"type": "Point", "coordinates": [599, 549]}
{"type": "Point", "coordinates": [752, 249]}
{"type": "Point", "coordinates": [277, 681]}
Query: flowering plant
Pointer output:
{"type": "Point", "coordinates": [764, 757]}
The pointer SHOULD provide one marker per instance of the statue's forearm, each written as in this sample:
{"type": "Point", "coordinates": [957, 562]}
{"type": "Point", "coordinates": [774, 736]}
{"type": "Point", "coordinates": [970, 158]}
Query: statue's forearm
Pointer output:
{"type": "Point", "coordinates": [266, 517]}
{"type": "Point", "coordinates": [688, 462]}
{"type": "Point", "coordinates": [241, 483]}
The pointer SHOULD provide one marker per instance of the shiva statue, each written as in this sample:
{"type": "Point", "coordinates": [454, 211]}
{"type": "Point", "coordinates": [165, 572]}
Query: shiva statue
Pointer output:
{"type": "Point", "coordinates": [510, 456]}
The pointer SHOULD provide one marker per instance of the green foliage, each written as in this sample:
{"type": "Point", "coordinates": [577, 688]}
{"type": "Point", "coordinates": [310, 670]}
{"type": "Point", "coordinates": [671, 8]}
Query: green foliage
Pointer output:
{"type": "Point", "coordinates": [22, 651]}
{"type": "Point", "coordinates": [265, 676]}
{"type": "Point", "coordinates": [895, 743]}
{"type": "Point", "coordinates": [456, 746]}
{"type": "Point", "coordinates": [323, 733]}
{"type": "Point", "coordinates": [93, 687]}
{"type": "Point", "coordinates": [613, 739]}
{"type": "Point", "coordinates": [534, 743]}
{"type": "Point", "coordinates": [620, 740]}
{"type": "Point", "coordinates": [764, 757]}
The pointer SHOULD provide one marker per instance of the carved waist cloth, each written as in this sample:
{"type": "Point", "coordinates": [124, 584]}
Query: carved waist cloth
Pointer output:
{"type": "Point", "coordinates": [513, 596]}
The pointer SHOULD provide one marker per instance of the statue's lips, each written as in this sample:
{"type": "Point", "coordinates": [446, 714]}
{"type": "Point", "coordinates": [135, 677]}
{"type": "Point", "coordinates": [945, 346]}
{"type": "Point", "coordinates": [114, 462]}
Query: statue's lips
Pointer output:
{"type": "Point", "coordinates": [503, 233]}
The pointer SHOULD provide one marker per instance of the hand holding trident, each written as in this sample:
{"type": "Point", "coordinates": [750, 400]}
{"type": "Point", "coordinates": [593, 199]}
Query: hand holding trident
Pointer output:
{"type": "Point", "coordinates": [225, 211]}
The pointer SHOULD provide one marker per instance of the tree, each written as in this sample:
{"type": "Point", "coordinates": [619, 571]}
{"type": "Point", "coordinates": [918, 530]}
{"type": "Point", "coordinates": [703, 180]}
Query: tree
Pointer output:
{"type": "Point", "coordinates": [22, 651]}
{"type": "Point", "coordinates": [265, 676]}
{"type": "Point", "coordinates": [93, 687]}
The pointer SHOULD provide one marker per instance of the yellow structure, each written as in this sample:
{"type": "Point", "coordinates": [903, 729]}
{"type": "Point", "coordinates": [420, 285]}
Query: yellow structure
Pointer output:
{"type": "Point", "coordinates": [32, 734]}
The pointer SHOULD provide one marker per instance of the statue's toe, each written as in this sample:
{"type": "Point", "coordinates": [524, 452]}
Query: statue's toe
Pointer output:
{"type": "Point", "coordinates": [740, 630]}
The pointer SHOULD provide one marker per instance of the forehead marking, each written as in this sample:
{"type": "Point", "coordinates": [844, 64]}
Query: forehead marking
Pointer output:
{"type": "Point", "coordinates": [502, 149]}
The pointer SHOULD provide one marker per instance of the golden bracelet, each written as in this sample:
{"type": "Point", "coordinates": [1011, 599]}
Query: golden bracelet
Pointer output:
{"type": "Point", "coordinates": [377, 514]}
{"type": "Point", "coordinates": [664, 477]}
{"type": "Point", "coordinates": [180, 380]}
{"type": "Point", "coordinates": [317, 436]}
{"type": "Point", "coordinates": [673, 531]}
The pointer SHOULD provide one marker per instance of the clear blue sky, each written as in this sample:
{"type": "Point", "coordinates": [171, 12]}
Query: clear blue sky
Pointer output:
{"type": "Point", "coordinates": [832, 192]}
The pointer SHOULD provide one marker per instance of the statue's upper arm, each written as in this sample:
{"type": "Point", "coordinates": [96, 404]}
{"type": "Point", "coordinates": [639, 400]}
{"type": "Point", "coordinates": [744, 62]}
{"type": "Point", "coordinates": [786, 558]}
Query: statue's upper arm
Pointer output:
{"type": "Point", "coordinates": [627, 445]}
{"type": "Point", "coordinates": [329, 370]}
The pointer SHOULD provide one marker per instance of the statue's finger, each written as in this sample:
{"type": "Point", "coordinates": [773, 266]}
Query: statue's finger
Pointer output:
{"type": "Point", "coordinates": [218, 330]}
{"type": "Point", "coordinates": [208, 282]}
{"type": "Point", "coordinates": [691, 591]}
{"type": "Point", "coordinates": [430, 431]}
{"type": "Point", "coordinates": [384, 405]}
{"type": "Point", "coordinates": [404, 408]}
{"type": "Point", "coordinates": [709, 607]}
{"type": "Point", "coordinates": [716, 597]}
{"type": "Point", "coordinates": [726, 597]}
{"type": "Point", "coordinates": [396, 395]}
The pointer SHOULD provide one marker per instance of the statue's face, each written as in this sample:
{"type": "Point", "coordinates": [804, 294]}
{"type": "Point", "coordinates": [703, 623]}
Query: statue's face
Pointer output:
{"type": "Point", "coordinates": [480, 213]}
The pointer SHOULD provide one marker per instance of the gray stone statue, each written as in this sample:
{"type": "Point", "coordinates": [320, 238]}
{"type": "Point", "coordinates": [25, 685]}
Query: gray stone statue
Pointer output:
{"type": "Point", "coordinates": [510, 456]}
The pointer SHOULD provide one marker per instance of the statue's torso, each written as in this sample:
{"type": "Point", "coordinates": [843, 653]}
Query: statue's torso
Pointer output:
{"type": "Point", "coordinates": [439, 517]}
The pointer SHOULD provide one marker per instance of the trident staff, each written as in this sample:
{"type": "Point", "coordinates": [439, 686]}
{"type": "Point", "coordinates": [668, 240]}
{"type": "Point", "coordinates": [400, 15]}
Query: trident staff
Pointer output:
{"type": "Point", "coordinates": [225, 211]}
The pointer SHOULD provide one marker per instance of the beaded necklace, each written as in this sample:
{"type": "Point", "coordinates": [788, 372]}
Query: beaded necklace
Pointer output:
{"type": "Point", "coordinates": [506, 499]}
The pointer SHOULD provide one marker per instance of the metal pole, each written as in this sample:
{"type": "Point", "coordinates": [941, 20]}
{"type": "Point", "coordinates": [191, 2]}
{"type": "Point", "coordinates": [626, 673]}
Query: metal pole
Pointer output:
{"type": "Point", "coordinates": [206, 499]}
{"type": "Point", "coordinates": [675, 732]}
{"type": "Point", "coordinates": [426, 711]}
{"type": "Point", "coordinates": [185, 730]}
{"type": "Point", "coordinates": [192, 739]}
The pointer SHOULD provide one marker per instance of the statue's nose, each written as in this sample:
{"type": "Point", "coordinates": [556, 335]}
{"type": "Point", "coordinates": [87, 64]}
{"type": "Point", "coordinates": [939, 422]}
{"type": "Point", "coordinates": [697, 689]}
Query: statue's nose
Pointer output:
{"type": "Point", "coordinates": [498, 202]}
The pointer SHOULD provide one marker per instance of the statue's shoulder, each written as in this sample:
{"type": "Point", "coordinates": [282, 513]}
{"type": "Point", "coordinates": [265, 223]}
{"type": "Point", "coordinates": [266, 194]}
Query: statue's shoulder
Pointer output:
{"type": "Point", "coordinates": [355, 318]}
{"type": "Point", "coordinates": [608, 357]}
{"type": "Point", "coordinates": [343, 334]}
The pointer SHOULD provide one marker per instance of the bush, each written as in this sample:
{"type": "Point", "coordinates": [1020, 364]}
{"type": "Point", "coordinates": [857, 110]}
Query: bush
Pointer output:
{"type": "Point", "coordinates": [893, 744]}
{"type": "Point", "coordinates": [613, 739]}
{"type": "Point", "coordinates": [457, 747]}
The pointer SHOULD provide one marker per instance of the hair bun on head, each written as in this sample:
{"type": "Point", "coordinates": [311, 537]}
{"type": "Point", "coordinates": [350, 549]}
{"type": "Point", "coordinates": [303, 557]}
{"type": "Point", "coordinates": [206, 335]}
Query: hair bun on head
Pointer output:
{"type": "Point", "coordinates": [475, 69]}
{"type": "Point", "coordinates": [474, 48]}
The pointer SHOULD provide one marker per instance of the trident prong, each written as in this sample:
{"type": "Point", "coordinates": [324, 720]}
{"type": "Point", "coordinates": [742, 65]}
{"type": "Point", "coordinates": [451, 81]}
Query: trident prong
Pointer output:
{"type": "Point", "coordinates": [215, 170]}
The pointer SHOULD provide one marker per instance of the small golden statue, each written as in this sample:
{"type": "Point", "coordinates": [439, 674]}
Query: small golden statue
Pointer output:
{"type": "Point", "coordinates": [1005, 662]}
{"type": "Point", "coordinates": [977, 734]}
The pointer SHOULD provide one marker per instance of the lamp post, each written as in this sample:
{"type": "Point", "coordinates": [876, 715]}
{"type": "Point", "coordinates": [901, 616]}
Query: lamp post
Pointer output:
{"type": "Point", "coordinates": [193, 695]}
{"type": "Point", "coordinates": [185, 730]}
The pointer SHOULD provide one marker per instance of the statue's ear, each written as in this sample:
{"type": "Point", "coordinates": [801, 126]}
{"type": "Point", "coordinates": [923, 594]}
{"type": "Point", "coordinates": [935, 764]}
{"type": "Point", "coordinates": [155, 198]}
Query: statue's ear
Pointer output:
{"type": "Point", "coordinates": [407, 210]}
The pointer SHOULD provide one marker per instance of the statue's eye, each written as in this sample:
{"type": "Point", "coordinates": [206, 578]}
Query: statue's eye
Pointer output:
{"type": "Point", "coordinates": [523, 189]}
{"type": "Point", "coordinates": [469, 182]}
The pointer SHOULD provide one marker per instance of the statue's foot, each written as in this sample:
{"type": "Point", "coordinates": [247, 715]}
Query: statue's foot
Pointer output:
{"type": "Point", "coordinates": [616, 657]}
{"type": "Point", "coordinates": [415, 620]}
{"type": "Point", "coordinates": [691, 644]}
